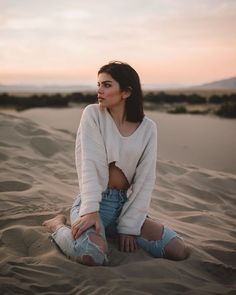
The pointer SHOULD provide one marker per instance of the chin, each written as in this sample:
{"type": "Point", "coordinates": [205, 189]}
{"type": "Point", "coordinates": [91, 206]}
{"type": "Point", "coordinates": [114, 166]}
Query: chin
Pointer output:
{"type": "Point", "coordinates": [101, 105]}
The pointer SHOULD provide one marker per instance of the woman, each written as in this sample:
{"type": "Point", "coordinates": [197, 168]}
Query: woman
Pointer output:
{"type": "Point", "coordinates": [116, 164]}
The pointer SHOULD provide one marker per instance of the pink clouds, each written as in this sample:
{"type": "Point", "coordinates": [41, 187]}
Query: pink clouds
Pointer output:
{"type": "Point", "coordinates": [167, 41]}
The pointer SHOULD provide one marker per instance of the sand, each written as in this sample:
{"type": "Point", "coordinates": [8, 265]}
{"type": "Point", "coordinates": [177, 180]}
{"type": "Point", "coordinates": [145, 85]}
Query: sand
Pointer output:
{"type": "Point", "coordinates": [38, 180]}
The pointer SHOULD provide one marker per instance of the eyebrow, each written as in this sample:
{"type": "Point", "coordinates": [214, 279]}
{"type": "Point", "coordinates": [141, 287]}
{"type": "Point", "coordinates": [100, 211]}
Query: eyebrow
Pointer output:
{"type": "Point", "coordinates": [103, 82]}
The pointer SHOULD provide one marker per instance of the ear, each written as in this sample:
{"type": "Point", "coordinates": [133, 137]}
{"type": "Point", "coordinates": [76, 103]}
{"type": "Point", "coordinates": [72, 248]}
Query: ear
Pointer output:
{"type": "Point", "coordinates": [127, 93]}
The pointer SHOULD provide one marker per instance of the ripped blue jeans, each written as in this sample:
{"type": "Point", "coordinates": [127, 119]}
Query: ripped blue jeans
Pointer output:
{"type": "Point", "coordinates": [110, 209]}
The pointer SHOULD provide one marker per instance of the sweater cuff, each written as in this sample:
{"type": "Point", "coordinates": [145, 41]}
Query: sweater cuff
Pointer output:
{"type": "Point", "coordinates": [128, 231]}
{"type": "Point", "coordinates": [88, 207]}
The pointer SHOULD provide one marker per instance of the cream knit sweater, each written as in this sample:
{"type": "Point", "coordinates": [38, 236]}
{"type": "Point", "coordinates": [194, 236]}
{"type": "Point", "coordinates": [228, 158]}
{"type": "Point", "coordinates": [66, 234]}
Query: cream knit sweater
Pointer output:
{"type": "Point", "coordinates": [99, 143]}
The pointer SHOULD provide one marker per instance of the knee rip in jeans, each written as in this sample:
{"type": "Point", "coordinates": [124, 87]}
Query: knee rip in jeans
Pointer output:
{"type": "Point", "coordinates": [99, 244]}
{"type": "Point", "coordinates": [98, 241]}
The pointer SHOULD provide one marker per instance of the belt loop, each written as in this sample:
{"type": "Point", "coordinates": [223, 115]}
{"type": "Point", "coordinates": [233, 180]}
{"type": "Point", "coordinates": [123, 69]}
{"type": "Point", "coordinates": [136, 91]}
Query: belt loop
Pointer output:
{"type": "Point", "coordinates": [108, 192]}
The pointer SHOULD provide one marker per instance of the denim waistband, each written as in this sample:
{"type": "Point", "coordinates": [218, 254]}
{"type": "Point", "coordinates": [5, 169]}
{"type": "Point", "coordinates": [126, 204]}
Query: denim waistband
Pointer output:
{"type": "Point", "coordinates": [115, 194]}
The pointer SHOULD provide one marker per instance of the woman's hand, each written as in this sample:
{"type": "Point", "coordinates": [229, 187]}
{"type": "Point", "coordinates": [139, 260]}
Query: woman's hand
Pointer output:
{"type": "Point", "coordinates": [127, 243]}
{"type": "Point", "coordinates": [84, 222]}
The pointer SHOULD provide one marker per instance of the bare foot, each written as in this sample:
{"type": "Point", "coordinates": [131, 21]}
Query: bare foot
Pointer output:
{"type": "Point", "coordinates": [54, 223]}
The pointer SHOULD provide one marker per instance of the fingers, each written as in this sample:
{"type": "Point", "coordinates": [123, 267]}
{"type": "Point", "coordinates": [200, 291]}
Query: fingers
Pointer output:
{"type": "Point", "coordinates": [122, 244]}
{"type": "Point", "coordinates": [77, 229]}
{"type": "Point", "coordinates": [133, 245]}
{"type": "Point", "coordinates": [73, 230]}
{"type": "Point", "coordinates": [127, 244]}
{"type": "Point", "coordinates": [80, 231]}
{"type": "Point", "coordinates": [82, 224]}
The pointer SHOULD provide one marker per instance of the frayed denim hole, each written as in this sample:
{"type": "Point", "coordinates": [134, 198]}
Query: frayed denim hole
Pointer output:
{"type": "Point", "coordinates": [84, 244]}
{"type": "Point", "coordinates": [83, 249]}
{"type": "Point", "coordinates": [97, 255]}
{"type": "Point", "coordinates": [95, 245]}
{"type": "Point", "coordinates": [82, 238]}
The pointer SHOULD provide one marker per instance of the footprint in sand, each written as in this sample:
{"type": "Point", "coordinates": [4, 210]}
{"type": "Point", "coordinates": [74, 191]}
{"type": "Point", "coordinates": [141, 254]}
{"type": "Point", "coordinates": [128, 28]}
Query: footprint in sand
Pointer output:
{"type": "Point", "coordinates": [11, 185]}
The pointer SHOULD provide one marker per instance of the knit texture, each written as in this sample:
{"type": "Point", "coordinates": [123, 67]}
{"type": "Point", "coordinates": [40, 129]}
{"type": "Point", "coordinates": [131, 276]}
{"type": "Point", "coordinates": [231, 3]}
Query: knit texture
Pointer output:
{"type": "Point", "coordinates": [99, 143]}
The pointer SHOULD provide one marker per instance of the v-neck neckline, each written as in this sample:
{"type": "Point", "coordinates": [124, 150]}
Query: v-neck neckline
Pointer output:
{"type": "Point", "coordinates": [117, 129]}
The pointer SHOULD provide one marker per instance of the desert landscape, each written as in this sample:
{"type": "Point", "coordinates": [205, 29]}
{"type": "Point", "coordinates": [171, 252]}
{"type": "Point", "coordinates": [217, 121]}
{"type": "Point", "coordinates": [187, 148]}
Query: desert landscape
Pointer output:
{"type": "Point", "coordinates": [184, 54]}
{"type": "Point", "coordinates": [194, 194]}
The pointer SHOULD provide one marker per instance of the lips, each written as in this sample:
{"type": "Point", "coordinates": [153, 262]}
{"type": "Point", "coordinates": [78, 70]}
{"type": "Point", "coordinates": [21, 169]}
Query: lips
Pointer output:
{"type": "Point", "coordinates": [100, 98]}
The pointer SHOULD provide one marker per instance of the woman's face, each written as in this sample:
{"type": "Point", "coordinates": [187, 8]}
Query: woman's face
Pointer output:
{"type": "Point", "coordinates": [109, 93]}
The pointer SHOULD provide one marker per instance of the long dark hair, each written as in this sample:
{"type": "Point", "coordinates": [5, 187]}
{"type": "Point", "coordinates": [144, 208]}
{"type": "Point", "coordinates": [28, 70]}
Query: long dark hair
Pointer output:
{"type": "Point", "coordinates": [128, 80]}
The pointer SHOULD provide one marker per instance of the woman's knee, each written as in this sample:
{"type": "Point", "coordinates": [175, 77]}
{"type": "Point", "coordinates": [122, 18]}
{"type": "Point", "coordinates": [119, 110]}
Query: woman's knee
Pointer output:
{"type": "Point", "coordinates": [176, 249]}
{"type": "Point", "coordinates": [91, 250]}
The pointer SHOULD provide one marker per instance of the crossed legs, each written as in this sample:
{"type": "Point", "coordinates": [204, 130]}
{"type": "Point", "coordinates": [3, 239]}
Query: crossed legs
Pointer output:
{"type": "Point", "coordinates": [89, 249]}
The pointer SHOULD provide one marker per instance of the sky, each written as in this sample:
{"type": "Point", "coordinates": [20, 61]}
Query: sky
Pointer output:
{"type": "Point", "coordinates": [182, 42]}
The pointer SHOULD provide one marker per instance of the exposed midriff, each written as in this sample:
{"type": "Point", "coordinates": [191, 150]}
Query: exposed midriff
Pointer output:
{"type": "Point", "coordinates": [117, 179]}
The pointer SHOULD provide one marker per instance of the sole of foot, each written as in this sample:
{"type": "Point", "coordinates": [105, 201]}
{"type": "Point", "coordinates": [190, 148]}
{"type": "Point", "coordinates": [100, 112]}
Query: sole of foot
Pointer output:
{"type": "Point", "coordinates": [54, 223]}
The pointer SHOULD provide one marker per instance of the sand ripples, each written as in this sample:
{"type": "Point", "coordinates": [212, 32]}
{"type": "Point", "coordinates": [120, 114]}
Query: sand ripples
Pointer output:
{"type": "Point", "coordinates": [38, 180]}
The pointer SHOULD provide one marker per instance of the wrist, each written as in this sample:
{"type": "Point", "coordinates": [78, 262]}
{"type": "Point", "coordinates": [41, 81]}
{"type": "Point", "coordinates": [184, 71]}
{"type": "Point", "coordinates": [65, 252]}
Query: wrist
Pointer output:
{"type": "Point", "coordinates": [90, 213]}
{"type": "Point", "coordinates": [88, 207]}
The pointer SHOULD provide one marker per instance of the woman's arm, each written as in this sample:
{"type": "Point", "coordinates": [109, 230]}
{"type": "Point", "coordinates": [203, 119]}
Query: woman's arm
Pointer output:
{"type": "Point", "coordinates": [91, 161]}
{"type": "Point", "coordinates": [92, 170]}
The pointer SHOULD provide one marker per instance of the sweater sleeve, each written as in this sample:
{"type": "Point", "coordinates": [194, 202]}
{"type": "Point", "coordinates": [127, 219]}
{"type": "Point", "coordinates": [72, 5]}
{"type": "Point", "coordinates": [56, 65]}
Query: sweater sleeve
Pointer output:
{"type": "Point", "coordinates": [91, 161]}
{"type": "Point", "coordinates": [135, 210]}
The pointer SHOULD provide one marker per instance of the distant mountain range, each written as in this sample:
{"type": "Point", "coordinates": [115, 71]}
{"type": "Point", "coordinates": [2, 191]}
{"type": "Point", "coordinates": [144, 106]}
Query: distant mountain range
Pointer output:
{"type": "Point", "coordinates": [229, 83]}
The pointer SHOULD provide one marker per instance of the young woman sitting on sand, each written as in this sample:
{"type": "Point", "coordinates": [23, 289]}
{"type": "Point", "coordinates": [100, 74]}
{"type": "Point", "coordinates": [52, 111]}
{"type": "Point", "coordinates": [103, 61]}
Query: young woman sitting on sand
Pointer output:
{"type": "Point", "coordinates": [116, 151]}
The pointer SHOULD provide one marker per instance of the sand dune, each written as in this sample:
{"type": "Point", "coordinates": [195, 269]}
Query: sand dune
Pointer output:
{"type": "Point", "coordinates": [38, 180]}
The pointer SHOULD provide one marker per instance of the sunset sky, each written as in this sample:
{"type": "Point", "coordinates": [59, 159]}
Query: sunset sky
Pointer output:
{"type": "Point", "coordinates": [167, 41]}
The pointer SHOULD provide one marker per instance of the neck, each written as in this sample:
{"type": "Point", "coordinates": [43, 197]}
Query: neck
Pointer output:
{"type": "Point", "coordinates": [118, 114]}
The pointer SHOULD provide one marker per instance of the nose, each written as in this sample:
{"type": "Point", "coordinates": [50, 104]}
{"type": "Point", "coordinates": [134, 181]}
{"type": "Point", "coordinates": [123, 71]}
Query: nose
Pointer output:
{"type": "Point", "coordinates": [100, 89]}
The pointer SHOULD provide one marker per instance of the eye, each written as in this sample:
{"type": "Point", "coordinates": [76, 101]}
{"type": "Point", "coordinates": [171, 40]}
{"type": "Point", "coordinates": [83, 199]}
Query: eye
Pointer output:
{"type": "Point", "coordinates": [107, 85]}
